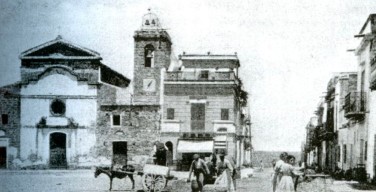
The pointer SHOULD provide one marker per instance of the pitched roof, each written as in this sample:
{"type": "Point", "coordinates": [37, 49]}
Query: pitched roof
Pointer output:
{"type": "Point", "coordinates": [60, 48]}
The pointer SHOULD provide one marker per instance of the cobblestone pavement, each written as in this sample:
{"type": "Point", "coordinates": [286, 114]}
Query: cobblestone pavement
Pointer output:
{"type": "Point", "coordinates": [83, 180]}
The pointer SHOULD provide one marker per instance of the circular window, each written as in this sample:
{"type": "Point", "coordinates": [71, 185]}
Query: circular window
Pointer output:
{"type": "Point", "coordinates": [58, 107]}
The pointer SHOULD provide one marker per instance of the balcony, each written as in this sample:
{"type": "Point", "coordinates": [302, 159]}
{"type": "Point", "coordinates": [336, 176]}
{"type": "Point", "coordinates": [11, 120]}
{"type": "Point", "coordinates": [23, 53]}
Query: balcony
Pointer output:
{"type": "Point", "coordinates": [171, 126]}
{"type": "Point", "coordinates": [355, 105]}
{"type": "Point", "coordinates": [197, 135]}
{"type": "Point", "coordinates": [200, 76]}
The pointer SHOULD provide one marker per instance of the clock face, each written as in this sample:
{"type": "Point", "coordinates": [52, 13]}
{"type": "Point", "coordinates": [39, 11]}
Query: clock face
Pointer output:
{"type": "Point", "coordinates": [149, 85]}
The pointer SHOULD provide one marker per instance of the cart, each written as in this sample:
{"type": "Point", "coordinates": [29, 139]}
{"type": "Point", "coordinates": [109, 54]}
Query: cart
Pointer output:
{"type": "Point", "coordinates": [155, 177]}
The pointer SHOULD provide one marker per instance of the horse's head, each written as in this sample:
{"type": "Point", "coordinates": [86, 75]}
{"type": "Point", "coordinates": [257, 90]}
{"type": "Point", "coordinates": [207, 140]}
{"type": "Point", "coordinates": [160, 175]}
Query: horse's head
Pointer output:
{"type": "Point", "coordinates": [97, 172]}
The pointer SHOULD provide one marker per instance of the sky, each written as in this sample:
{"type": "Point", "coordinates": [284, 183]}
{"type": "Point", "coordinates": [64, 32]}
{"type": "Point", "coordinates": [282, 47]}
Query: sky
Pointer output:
{"type": "Point", "coordinates": [288, 49]}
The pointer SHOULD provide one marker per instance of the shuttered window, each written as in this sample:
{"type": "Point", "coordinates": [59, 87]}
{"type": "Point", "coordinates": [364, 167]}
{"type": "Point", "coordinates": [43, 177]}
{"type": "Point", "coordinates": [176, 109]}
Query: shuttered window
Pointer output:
{"type": "Point", "coordinates": [170, 113]}
{"type": "Point", "coordinates": [224, 114]}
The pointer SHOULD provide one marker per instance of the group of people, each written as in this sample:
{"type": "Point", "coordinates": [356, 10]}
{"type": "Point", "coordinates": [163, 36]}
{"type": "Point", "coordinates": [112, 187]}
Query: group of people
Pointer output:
{"type": "Point", "coordinates": [285, 175]}
{"type": "Point", "coordinates": [223, 169]}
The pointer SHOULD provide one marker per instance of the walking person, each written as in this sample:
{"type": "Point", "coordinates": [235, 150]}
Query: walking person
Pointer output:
{"type": "Point", "coordinates": [286, 183]}
{"type": "Point", "coordinates": [225, 172]}
{"type": "Point", "coordinates": [261, 166]}
{"type": "Point", "coordinates": [199, 168]}
{"type": "Point", "coordinates": [276, 174]}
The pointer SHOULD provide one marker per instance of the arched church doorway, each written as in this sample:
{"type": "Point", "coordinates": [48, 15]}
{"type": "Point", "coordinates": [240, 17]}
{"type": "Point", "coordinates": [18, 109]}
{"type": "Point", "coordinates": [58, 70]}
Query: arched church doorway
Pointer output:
{"type": "Point", "coordinates": [58, 150]}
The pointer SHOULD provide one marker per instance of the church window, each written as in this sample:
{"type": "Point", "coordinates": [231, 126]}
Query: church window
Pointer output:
{"type": "Point", "coordinates": [147, 22]}
{"type": "Point", "coordinates": [4, 119]}
{"type": "Point", "coordinates": [116, 120]}
{"type": "Point", "coordinates": [149, 56]}
{"type": "Point", "coordinates": [153, 22]}
{"type": "Point", "coordinates": [57, 107]}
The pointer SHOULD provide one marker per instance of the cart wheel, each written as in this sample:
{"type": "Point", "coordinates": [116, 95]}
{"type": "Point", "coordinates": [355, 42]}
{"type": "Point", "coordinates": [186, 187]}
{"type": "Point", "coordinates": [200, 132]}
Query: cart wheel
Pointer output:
{"type": "Point", "coordinates": [153, 182]}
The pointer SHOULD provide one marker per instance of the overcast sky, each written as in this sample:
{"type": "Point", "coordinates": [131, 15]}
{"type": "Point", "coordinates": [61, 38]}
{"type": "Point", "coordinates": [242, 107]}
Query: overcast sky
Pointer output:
{"type": "Point", "coordinates": [287, 49]}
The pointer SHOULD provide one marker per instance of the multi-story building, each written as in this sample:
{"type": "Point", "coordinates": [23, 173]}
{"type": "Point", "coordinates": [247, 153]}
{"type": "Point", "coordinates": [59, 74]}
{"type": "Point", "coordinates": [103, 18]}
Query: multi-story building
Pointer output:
{"type": "Point", "coordinates": [327, 143]}
{"type": "Point", "coordinates": [203, 107]}
{"type": "Point", "coordinates": [346, 84]}
{"type": "Point", "coordinates": [362, 103]}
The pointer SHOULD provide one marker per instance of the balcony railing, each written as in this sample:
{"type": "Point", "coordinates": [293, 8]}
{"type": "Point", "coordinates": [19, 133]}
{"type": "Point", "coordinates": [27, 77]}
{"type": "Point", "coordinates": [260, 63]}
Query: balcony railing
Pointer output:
{"type": "Point", "coordinates": [197, 135]}
{"type": "Point", "coordinates": [200, 76]}
{"type": "Point", "coordinates": [355, 105]}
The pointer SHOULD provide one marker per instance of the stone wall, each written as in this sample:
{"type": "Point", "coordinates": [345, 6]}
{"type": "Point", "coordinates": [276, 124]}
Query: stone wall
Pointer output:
{"type": "Point", "coordinates": [139, 127]}
{"type": "Point", "coordinates": [10, 132]}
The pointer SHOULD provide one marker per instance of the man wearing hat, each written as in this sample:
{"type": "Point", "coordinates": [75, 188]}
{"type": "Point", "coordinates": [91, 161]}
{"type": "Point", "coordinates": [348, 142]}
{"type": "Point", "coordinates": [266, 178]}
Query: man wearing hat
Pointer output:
{"type": "Point", "coordinates": [225, 165]}
{"type": "Point", "coordinates": [199, 169]}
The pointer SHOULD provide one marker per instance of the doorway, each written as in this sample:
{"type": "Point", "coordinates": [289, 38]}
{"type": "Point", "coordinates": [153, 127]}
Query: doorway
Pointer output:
{"type": "Point", "coordinates": [58, 149]}
{"type": "Point", "coordinates": [119, 150]}
{"type": "Point", "coordinates": [3, 157]}
{"type": "Point", "coordinates": [169, 153]}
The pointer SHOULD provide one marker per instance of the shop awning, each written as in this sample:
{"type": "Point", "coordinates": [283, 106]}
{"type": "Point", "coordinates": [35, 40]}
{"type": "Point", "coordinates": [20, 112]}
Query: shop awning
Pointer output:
{"type": "Point", "coordinates": [185, 146]}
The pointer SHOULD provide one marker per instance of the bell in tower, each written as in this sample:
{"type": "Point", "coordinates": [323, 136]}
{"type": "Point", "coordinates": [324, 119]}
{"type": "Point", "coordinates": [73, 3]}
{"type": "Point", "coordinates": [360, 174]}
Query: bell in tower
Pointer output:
{"type": "Point", "coordinates": [150, 21]}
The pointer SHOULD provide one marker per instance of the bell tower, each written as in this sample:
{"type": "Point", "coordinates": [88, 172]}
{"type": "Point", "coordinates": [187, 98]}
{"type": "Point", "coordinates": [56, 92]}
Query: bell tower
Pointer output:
{"type": "Point", "coordinates": [152, 51]}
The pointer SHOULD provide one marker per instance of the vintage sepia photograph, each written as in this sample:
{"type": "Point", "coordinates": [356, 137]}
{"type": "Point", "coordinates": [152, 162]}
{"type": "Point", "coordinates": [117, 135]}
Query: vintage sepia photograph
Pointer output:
{"type": "Point", "coordinates": [188, 96]}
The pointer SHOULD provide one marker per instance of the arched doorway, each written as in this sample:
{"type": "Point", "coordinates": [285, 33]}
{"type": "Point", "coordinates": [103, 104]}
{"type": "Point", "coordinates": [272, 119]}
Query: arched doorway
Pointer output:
{"type": "Point", "coordinates": [169, 153]}
{"type": "Point", "coordinates": [58, 150]}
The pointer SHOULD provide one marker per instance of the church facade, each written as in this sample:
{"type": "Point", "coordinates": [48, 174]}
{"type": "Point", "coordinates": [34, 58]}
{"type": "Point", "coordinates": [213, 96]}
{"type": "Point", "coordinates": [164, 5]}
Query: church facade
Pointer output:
{"type": "Point", "coordinates": [71, 110]}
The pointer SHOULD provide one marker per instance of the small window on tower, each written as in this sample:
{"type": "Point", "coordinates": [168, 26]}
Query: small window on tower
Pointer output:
{"type": "Point", "coordinates": [149, 56]}
{"type": "Point", "coordinates": [153, 22]}
{"type": "Point", "coordinates": [147, 22]}
{"type": "Point", "coordinates": [204, 74]}
{"type": "Point", "coordinates": [116, 120]}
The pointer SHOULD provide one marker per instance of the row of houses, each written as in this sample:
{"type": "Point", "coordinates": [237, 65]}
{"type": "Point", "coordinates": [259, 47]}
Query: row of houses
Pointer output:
{"type": "Point", "coordinates": [341, 135]}
{"type": "Point", "coordinates": [71, 110]}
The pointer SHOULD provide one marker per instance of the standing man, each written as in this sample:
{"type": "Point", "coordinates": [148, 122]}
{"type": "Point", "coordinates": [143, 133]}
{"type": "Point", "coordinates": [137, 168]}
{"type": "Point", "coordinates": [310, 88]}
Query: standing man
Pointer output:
{"type": "Point", "coordinates": [199, 169]}
{"type": "Point", "coordinates": [261, 166]}
{"type": "Point", "coordinates": [277, 168]}
{"type": "Point", "coordinates": [224, 165]}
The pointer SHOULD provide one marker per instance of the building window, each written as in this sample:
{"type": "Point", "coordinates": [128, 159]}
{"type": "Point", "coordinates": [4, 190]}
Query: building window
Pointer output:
{"type": "Point", "coordinates": [57, 107]}
{"type": "Point", "coordinates": [224, 114]}
{"type": "Point", "coordinates": [344, 153]}
{"type": "Point", "coordinates": [149, 56]}
{"type": "Point", "coordinates": [4, 119]}
{"type": "Point", "coordinates": [198, 116]}
{"type": "Point", "coordinates": [116, 120]}
{"type": "Point", "coordinates": [204, 74]}
{"type": "Point", "coordinates": [170, 113]}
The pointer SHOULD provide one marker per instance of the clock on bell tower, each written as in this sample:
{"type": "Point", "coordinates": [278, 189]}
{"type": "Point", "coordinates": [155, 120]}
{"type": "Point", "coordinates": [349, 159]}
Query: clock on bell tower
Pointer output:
{"type": "Point", "coordinates": [152, 50]}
